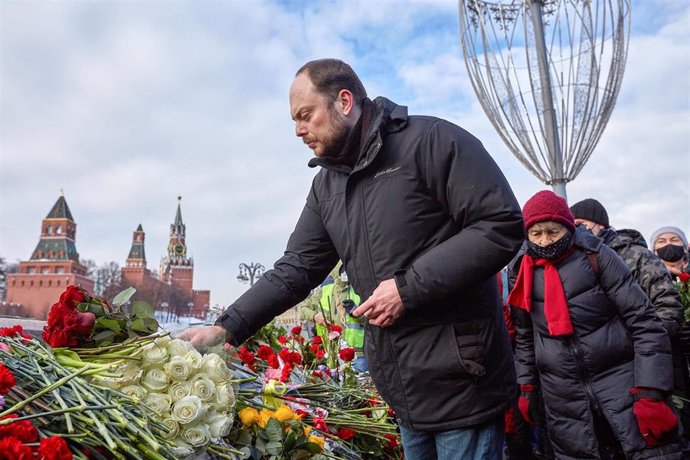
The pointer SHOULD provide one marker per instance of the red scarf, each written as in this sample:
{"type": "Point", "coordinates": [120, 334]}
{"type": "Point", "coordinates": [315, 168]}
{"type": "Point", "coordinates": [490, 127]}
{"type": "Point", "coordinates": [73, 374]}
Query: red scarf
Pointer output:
{"type": "Point", "coordinates": [555, 304]}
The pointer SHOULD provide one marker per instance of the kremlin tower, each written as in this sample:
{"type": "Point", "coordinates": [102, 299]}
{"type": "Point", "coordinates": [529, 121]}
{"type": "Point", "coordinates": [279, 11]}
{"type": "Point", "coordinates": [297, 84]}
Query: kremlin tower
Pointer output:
{"type": "Point", "coordinates": [53, 265]}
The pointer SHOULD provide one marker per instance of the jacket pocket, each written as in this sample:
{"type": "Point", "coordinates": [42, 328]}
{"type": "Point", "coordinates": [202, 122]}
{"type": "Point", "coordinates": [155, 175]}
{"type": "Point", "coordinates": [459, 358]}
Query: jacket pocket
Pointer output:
{"type": "Point", "coordinates": [470, 346]}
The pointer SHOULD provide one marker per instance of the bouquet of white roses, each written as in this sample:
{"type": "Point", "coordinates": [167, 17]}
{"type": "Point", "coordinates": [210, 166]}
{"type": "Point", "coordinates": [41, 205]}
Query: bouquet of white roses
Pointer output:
{"type": "Point", "coordinates": [190, 393]}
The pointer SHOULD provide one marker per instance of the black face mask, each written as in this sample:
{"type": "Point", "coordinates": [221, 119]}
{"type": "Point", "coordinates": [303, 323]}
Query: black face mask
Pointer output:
{"type": "Point", "coordinates": [553, 250]}
{"type": "Point", "coordinates": [671, 252]}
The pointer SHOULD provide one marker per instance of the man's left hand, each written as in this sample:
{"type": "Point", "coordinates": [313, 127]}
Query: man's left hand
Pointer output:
{"type": "Point", "coordinates": [384, 307]}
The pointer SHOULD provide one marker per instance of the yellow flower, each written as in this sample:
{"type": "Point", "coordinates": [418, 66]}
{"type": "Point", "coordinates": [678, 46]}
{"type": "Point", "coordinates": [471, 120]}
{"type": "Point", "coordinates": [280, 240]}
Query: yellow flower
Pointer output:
{"type": "Point", "coordinates": [284, 413]}
{"type": "Point", "coordinates": [264, 416]}
{"type": "Point", "coordinates": [249, 416]}
{"type": "Point", "coordinates": [317, 440]}
{"type": "Point", "coordinates": [307, 430]}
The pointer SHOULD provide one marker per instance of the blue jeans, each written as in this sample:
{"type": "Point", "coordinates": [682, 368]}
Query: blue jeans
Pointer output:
{"type": "Point", "coordinates": [481, 442]}
{"type": "Point", "coordinates": [360, 364]}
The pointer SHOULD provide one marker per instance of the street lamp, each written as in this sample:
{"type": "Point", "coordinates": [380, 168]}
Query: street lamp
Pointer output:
{"type": "Point", "coordinates": [250, 273]}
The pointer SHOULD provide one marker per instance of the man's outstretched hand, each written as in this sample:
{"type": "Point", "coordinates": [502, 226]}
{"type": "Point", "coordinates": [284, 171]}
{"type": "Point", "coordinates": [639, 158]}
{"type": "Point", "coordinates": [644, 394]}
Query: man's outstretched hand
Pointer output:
{"type": "Point", "coordinates": [384, 307]}
{"type": "Point", "coordinates": [204, 337]}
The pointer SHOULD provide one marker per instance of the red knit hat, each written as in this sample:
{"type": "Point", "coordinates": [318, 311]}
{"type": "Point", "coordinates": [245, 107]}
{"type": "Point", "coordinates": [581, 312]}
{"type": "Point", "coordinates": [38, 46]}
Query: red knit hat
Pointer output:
{"type": "Point", "coordinates": [546, 205]}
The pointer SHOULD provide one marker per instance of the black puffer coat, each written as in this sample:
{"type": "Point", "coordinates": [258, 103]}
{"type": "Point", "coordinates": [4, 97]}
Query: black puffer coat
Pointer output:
{"type": "Point", "coordinates": [618, 344]}
{"type": "Point", "coordinates": [425, 204]}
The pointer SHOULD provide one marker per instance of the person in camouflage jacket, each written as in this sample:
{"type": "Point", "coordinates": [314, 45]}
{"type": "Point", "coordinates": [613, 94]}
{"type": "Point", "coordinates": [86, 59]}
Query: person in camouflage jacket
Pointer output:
{"type": "Point", "coordinates": [654, 279]}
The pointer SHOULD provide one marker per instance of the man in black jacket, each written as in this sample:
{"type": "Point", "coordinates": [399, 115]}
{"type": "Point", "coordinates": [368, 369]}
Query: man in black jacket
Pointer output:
{"type": "Point", "coordinates": [423, 219]}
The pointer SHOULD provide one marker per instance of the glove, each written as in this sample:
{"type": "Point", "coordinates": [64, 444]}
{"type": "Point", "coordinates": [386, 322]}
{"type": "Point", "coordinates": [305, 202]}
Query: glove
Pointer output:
{"type": "Point", "coordinates": [531, 405]}
{"type": "Point", "coordinates": [654, 417]}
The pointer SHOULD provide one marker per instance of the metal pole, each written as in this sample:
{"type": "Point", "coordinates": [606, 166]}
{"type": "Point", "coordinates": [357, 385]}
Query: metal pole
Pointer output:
{"type": "Point", "coordinates": [550, 123]}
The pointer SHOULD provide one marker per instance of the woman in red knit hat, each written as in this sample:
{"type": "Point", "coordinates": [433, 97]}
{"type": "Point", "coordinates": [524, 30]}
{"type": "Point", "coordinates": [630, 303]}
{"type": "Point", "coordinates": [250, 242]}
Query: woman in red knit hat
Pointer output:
{"type": "Point", "coordinates": [588, 342]}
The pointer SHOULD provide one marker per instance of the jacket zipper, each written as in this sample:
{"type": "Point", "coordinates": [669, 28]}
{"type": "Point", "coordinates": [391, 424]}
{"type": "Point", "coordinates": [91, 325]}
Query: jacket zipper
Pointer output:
{"type": "Point", "coordinates": [582, 375]}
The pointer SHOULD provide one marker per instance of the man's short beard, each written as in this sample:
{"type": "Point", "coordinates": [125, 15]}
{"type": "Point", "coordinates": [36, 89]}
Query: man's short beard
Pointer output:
{"type": "Point", "coordinates": [341, 130]}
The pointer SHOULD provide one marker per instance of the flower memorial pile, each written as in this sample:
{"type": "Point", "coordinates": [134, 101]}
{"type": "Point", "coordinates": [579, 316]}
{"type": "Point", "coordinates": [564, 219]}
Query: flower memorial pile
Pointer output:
{"type": "Point", "coordinates": [287, 377]}
{"type": "Point", "coordinates": [107, 384]}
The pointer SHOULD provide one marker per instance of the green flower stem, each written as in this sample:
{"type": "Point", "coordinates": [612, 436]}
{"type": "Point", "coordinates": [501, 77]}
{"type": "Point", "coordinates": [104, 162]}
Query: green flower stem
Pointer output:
{"type": "Point", "coordinates": [149, 453]}
{"type": "Point", "coordinates": [54, 412]}
{"type": "Point", "coordinates": [20, 405]}
{"type": "Point", "coordinates": [221, 450]}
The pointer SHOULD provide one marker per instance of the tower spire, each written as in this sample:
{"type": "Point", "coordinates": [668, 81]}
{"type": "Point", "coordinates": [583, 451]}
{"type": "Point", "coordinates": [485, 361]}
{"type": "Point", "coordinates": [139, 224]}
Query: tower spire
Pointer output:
{"type": "Point", "coordinates": [137, 255]}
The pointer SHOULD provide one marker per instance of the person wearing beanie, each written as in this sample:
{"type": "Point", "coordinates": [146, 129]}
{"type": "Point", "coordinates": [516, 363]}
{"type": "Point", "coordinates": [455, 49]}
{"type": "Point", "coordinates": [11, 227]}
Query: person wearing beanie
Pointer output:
{"type": "Point", "coordinates": [591, 213]}
{"type": "Point", "coordinates": [650, 272]}
{"type": "Point", "coordinates": [671, 245]}
{"type": "Point", "coordinates": [588, 344]}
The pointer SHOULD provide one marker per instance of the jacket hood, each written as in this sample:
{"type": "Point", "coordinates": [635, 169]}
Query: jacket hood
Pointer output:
{"type": "Point", "coordinates": [617, 239]}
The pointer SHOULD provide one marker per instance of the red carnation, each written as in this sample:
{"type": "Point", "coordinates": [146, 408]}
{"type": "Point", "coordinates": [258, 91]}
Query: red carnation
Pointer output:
{"type": "Point", "coordinates": [320, 424]}
{"type": "Point", "coordinates": [246, 356]}
{"type": "Point", "coordinates": [317, 340]}
{"type": "Point", "coordinates": [273, 361]}
{"type": "Point", "coordinates": [23, 430]}
{"type": "Point", "coordinates": [7, 380]}
{"type": "Point", "coordinates": [295, 358]}
{"type": "Point", "coordinates": [14, 331]}
{"type": "Point", "coordinates": [320, 354]}
{"type": "Point", "coordinates": [54, 448]}
{"type": "Point", "coordinates": [12, 448]}
{"type": "Point", "coordinates": [345, 433]}
{"type": "Point", "coordinates": [297, 330]}
{"type": "Point", "coordinates": [335, 328]}
{"type": "Point", "coordinates": [318, 374]}
{"type": "Point", "coordinates": [285, 373]}
{"type": "Point", "coordinates": [72, 296]}
{"type": "Point", "coordinates": [282, 340]}
{"type": "Point", "coordinates": [392, 441]}
{"type": "Point", "coordinates": [684, 277]}
{"type": "Point", "coordinates": [347, 354]}
{"type": "Point", "coordinates": [264, 352]}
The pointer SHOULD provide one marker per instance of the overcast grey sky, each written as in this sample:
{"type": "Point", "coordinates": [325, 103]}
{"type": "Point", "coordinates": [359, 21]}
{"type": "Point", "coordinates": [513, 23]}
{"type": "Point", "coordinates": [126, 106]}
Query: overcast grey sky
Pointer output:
{"type": "Point", "coordinates": [127, 104]}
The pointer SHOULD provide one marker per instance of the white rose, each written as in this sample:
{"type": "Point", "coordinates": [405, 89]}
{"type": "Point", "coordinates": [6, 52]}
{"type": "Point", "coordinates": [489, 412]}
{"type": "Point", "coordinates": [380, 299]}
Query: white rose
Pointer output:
{"type": "Point", "coordinates": [134, 391]}
{"type": "Point", "coordinates": [188, 410]}
{"type": "Point", "coordinates": [130, 373]}
{"type": "Point", "coordinates": [155, 379]}
{"type": "Point", "coordinates": [219, 424]}
{"type": "Point", "coordinates": [225, 398]}
{"type": "Point", "coordinates": [196, 435]}
{"type": "Point", "coordinates": [178, 347]}
{"type": "Point", "coordinates": [163, 341]}
{"type": "Point", "coordinates": [178, 368]}
{"type": "Point", "coordinates": [179, 390]}
{"type": "Point", "coordinates": [214, 366]}
{"type": "Point", "coordinates": [181, 449]}
{"type": "Point", "coordinates": [158, 402]}
{"type": "Point", "coordinates": [203, 387]}
{"type": "Point", "coordinates": [173, 427]}
{"type": "Point", "coordinates": [194, 358]}
{"type": "Point", "coordinates": [154, 356]}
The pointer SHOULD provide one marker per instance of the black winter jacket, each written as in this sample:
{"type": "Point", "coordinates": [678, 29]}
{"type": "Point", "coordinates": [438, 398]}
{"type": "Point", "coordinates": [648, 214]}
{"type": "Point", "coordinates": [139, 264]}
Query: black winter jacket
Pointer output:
{"type": "Point", "coordinates": [424, 204]}
{"type": "Point", "coordinates": [618, 344]}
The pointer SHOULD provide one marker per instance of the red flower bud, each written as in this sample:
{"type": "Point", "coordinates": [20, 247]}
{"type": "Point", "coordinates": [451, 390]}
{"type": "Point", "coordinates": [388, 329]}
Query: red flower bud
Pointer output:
{"type": "Point", "coordinates": [72, 296]}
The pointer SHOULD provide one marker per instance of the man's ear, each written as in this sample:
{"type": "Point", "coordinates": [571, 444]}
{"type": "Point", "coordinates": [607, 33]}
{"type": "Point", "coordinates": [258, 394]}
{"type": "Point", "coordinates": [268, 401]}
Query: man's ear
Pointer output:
{"type": "Point", "coordinates": [346, 101]}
